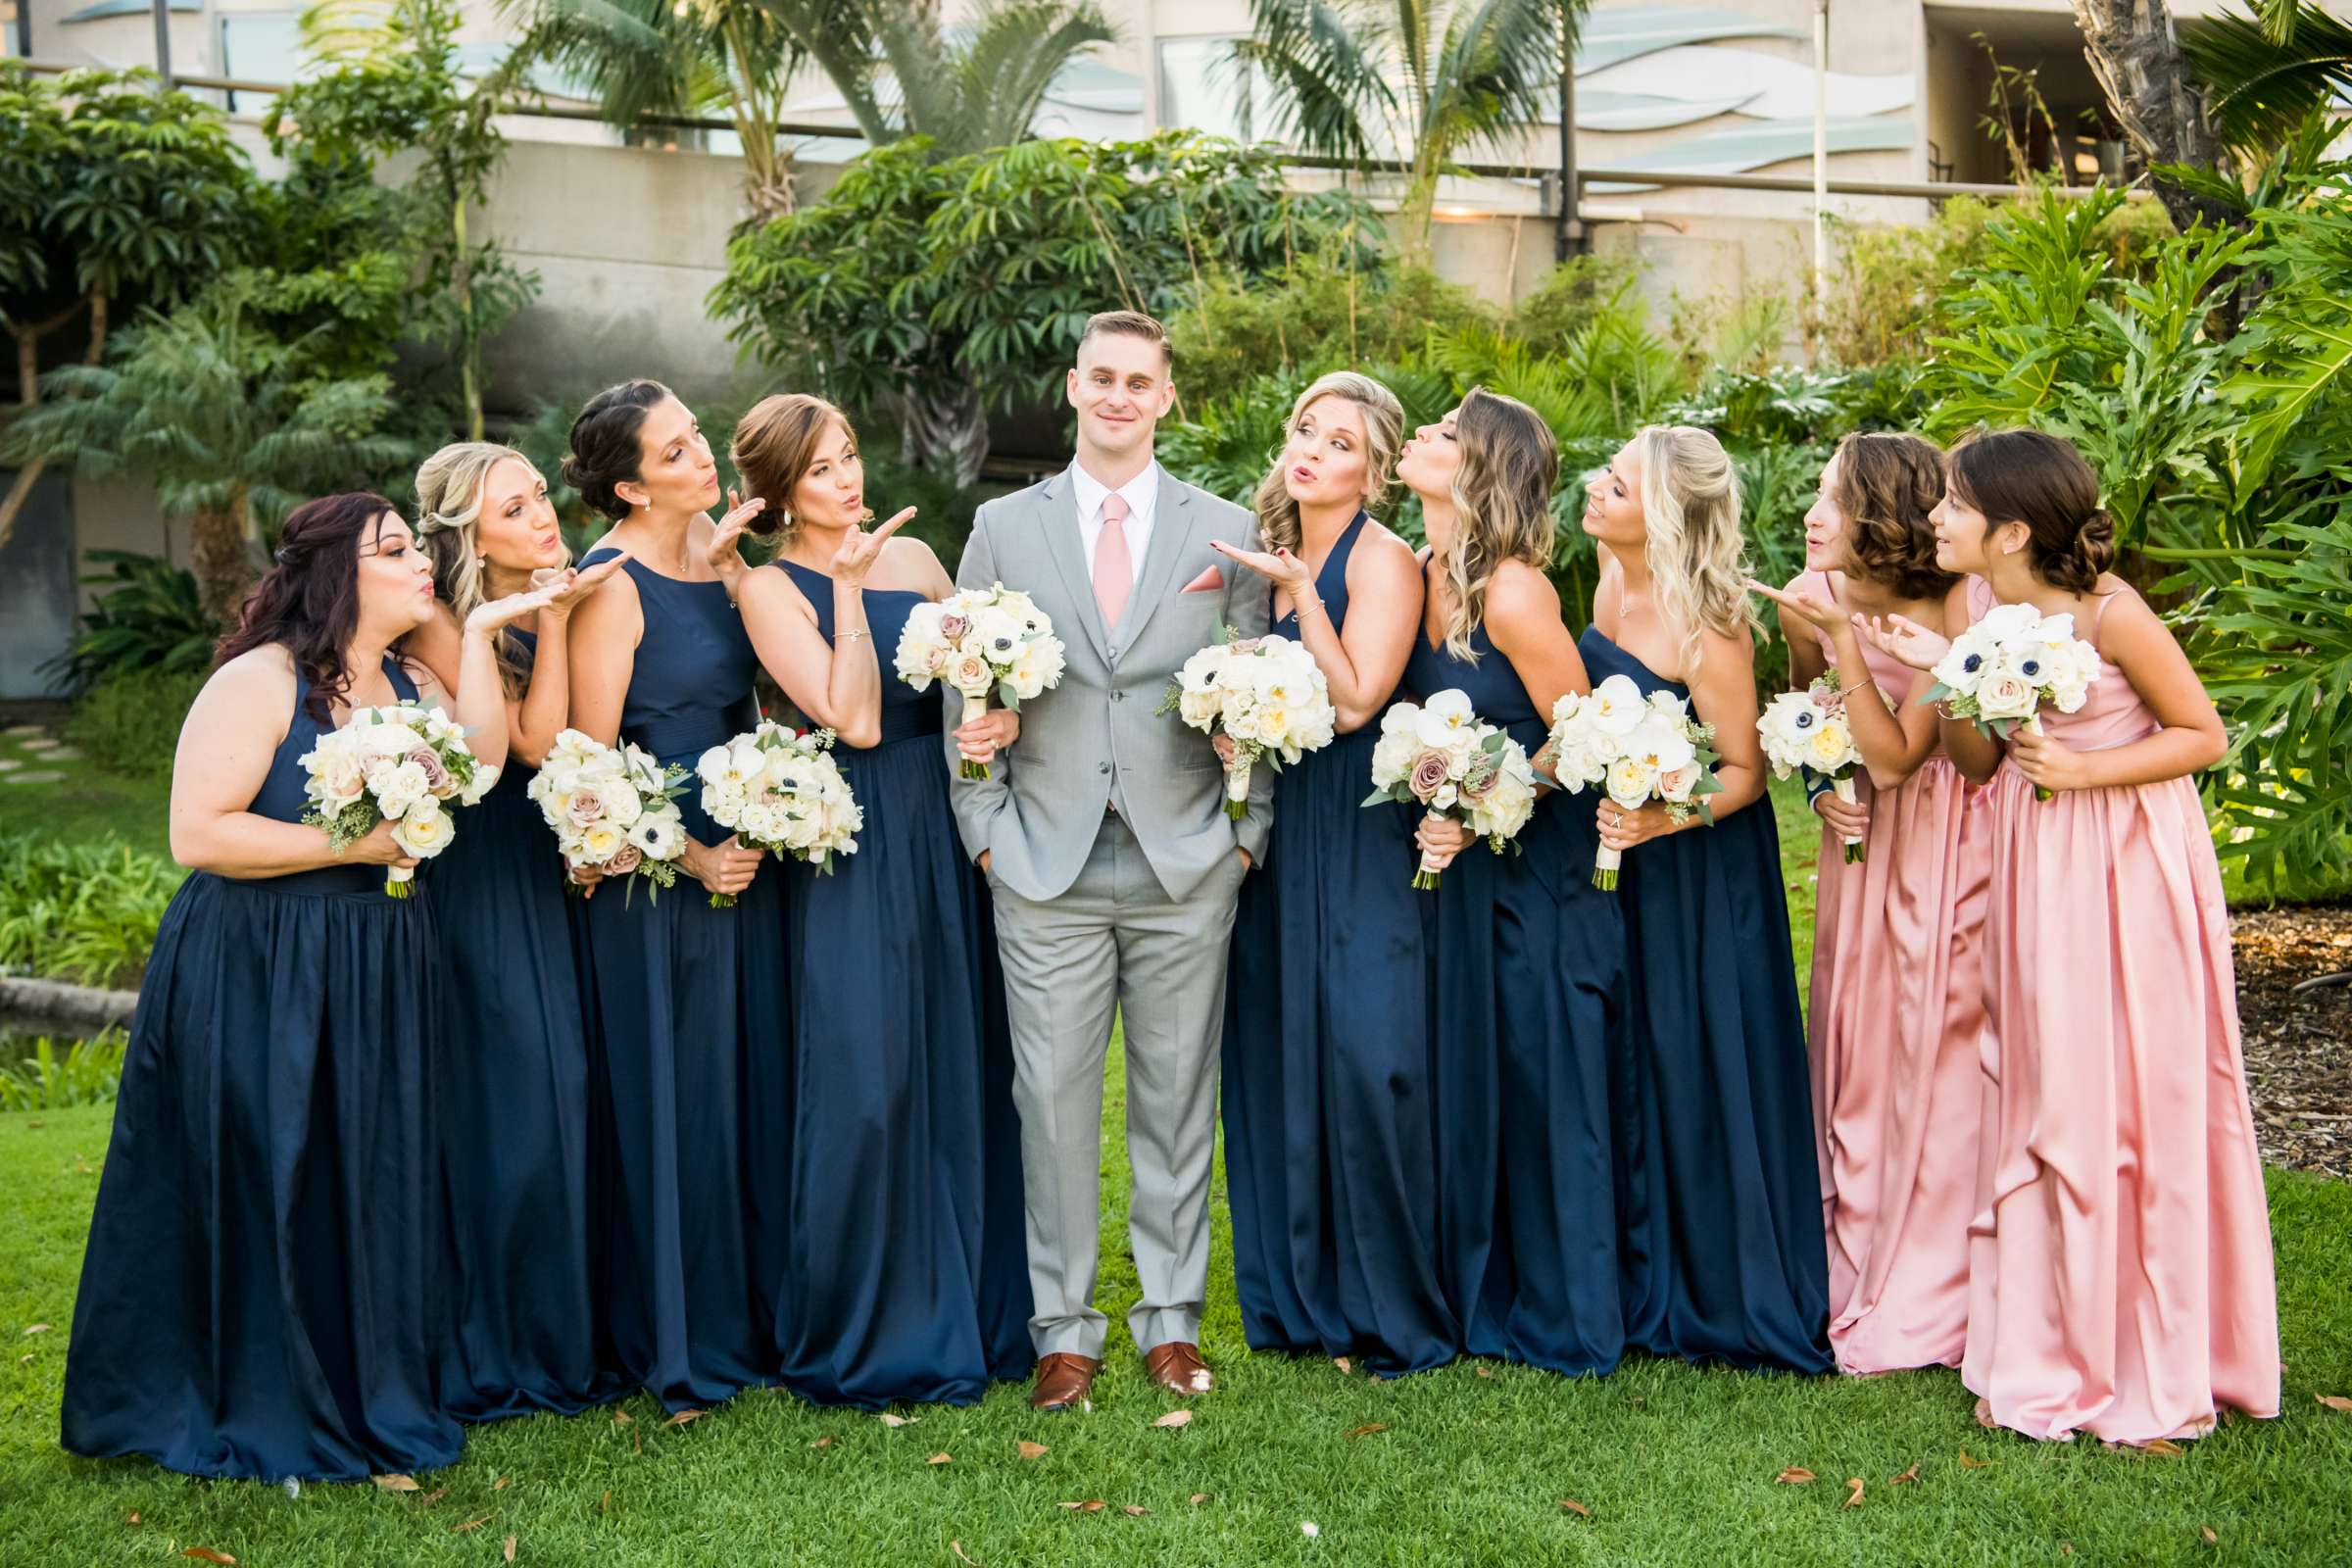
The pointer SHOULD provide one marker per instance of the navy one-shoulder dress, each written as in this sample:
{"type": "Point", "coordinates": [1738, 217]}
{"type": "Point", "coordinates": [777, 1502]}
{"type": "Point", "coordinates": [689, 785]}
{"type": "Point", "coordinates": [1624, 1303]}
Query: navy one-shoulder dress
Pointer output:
{"type": "Point", "coordinates": [261, 1294]}
{"type": "Point", "coordinates": [907, 1272]}
{"type": "Point", "coordinates": [1724, 1254]}
{"type": "Point", "coordinates": [1529, 995]}
{"type": "Point", "coordinates": [512, 1070]}
{"type": "Point", "coordinates": [1328, 1121]}
{"type": "Point", "coordinates": [686, 1027]}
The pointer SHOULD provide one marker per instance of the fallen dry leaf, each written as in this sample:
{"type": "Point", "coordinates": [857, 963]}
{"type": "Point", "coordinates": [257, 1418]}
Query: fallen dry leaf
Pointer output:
{"type": "Point", "coordinates": [1368, 1428]}
{"type": "Point", "coordinates": [1136, 1511]}
{"type": "Point", "coordinates": [208, 1554]}
{"type": "Point", "coordinates": [622, 1418]}
{"type": "Point", "coordinates": [1911, 1474]}
{"type": "Point", "coordinates": [1345, 1366]}
{"type": "Point", "coordinates": [509, 1549]}
{"type": "Point", "coordinates": [427, 1499]}
{"type": "Point", "coordinates": [940, 1458]}
{"type": "Point", "coordinates": [1032, 1451]}
{"type": "Point", "coordinates": [822, 1443]}
{"type": "Point", "coordinates": [132, 1520]}
{"type": "Point", "coordinates": [35, 1328]}
{"type": "Point", "coordinates": [500, 1484]}
{"type": "Point", "coordinates": [2065, 1548]}
{"type": "Point", "coordinates": [470, 1524]}
{"type": "Point", "coordinates": [1797, 1476]}
{"type": "Point", "coordinates": [1089, 1505]}
{"type": "Point", "coordinates": [1376, 1378]}
{"type": "Point", "coordinates": [1485, 1372]}
{"type": "Point", "coordinates": [1967, 1463]}
{"type": "Point", "coordinates": [1854, 1499]}
{"type": "Point", "coordinates": [2206, 1534]}
{"type": "Point", "coordinates": [956, 1547]}
{"type": "Point", "coordinates": [2334, 1401]}
{"type": "Point", "coordinates": [1575, 1507]}
{"type": "Point", "coordinates": [395, 1482]}
{"type": "Point", "coordinates": [1199, 1498]}
{"type": "Point", "coordinates": [26, 1359]}
{"type": "Point", "coordinates": [889, 1420]}
{"type": "Point", "coordinates": [608, 1503]}
{"type": "Point", "coordinates": [1175, 1418]}
{"type": "Point", "coordinates": [2164, 1445]}
{"type": "Point", "coordinates": [684, 1416]}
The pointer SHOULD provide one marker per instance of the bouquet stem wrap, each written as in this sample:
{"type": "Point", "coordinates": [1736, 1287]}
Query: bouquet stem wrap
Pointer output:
{"type": "Point", "coordinates": [1237, 787]}
{"type": "Point", "coordinates": [400, 881]}
{"type": "Point", "coordinates": [1843, 789]}
{"type": "Point", "coordinates": [974, 708]}
{"type": "Point", "coordinates": [1605, 862]}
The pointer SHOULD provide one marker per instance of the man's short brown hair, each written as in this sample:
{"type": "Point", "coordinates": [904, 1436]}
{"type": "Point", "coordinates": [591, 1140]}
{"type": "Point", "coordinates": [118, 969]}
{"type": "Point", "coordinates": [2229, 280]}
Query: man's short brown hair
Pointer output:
{"type": "Point", "coordinates": [1128, 323]}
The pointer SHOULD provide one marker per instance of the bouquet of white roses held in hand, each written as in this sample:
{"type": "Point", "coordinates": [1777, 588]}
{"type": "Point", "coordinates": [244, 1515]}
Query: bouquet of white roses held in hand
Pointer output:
{"type": "Point", "coordinates": [613, 808]}
{"type": "Point", "coordinates": [399, 764]}
{"type": "Point", "coordinates": [778, 790]}
{"type": "Point", "coordinates": [1637, 750]}
{"type": "Point", "coordinates": [1442, 755]}
{"type": "Point", "coordinates": [1266, 695]}
{"type": "Point", "coordinates": [981, 642]}
{"type": "Point", "coordinates": [2001, 670]}
{"type": "Point", "coordinates": [1809, 729]}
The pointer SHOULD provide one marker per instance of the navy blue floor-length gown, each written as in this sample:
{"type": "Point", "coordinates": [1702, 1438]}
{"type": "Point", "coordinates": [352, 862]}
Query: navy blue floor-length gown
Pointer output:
{"type": "Point", "coordinates": [686, 1027]}
{"type": "Point", "coordinates": [1329, 1165]}
{"type": "Point", "coordinates": [905, 1274]}
{"type": "Point", "coordinates": [260, 1298]}
{"type": "Point", "coordinates": [1528, 994]}
{"type": "Point", "coordinates": [1720, 1194]}
{"type": "Point", "coordinates": [512, 1071]}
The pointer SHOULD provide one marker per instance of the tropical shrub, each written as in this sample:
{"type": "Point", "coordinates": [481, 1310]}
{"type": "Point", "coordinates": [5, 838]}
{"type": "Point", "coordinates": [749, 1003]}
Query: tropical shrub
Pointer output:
{"type": "Point", "coordinates": [54, 1077]}
{"type": "Point", "coordinates": [128, 722]}
{"type": "Point", "coordinates": [84, 912]}
{"type": "Point", "coordinates": [144, 613]}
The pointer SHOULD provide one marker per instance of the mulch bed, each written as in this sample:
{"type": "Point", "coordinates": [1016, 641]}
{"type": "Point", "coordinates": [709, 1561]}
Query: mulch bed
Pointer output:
{"type": "Point", "coordinates": [2298, 1043]}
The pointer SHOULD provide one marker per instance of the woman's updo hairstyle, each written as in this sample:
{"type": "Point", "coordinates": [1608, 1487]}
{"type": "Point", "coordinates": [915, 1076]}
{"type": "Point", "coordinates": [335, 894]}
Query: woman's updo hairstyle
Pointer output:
{"type": "Point", "coordinates": [308, 600]}
{"type": "Point", "coordinates": [2041, 480]}
{"type": "Point", "coordinates": [774, 445]}
{"type": "Point", "coordinates": [606, 448]}
{"type": "Point", "coordinates": [1888, 485]}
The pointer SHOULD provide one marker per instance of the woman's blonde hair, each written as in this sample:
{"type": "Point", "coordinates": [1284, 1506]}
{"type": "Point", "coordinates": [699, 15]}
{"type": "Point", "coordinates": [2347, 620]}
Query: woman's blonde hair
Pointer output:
{"type": "Point", "coordinates": [449, 499]}
{"type": "Point", "coordinates": [774, 445]}
{"type": "Point", "coordinates": [1384, 433]}
{"type": "Point", "coordinates": [1691, 514]}
{"type": "Point", "coordinates": [1501, 503]}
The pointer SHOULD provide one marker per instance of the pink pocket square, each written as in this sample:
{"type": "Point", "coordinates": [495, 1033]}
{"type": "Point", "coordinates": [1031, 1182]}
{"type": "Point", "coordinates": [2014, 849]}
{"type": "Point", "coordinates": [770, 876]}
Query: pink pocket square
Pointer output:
{"type": "Point", "coordinates": [1210, 581]}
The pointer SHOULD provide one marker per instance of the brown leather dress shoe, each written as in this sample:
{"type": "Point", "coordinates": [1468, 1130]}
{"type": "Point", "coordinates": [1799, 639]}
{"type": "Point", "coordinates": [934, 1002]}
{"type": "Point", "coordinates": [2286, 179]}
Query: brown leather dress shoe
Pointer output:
{"type": "Point", "coordinates": [1177, 1367]}
{"type": "Point", "coordinates": [1062, 1380]}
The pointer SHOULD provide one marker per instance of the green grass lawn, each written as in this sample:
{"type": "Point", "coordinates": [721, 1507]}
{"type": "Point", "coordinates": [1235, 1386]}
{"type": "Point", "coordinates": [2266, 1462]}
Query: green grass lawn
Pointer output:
{"type": "Point", "coordinates": [86, 805]}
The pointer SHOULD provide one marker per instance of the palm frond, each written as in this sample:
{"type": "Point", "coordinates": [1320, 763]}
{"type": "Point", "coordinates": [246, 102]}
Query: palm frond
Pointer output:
{"type": "Point", "coordinates": [2262, 80]}
{"type": "Point", "coordinates": [1328, 78]}
{"type": "Point", "coordinates": [1017, 48]}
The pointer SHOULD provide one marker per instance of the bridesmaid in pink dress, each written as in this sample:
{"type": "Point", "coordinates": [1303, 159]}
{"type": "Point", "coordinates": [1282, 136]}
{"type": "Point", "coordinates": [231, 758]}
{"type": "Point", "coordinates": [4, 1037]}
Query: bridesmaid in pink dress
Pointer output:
{"type": "Point", "coordinates": [1896, 1027]}
{"type": "Point", "coordinates": [2121, 1279]}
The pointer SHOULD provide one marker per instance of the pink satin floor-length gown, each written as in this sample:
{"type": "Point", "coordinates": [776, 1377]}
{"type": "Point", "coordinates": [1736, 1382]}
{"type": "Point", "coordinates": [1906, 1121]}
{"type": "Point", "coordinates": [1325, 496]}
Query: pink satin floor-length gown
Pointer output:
{"type": "Point", "coordinates": [2121, 1278]}
{"type": "Point", "coordinates": [1897, 1037]}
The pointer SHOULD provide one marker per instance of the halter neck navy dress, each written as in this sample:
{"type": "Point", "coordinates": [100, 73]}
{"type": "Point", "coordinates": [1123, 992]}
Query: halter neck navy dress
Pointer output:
{"type": "Point", "coordinates": [1529, 995]}
{"type": "Point", "coordinates": [512, 1074]}
{"type": "Point", "coordinates": [261, 1294]}
{"type": "Point", "coordinates": [1724, 1254]}
{"type": "Point", "coordinates": [1327, 1110]}
{"type": "Point", "coordinates": [687, 1016]}
{"type": "Point", "coordinates": [906, 1273]}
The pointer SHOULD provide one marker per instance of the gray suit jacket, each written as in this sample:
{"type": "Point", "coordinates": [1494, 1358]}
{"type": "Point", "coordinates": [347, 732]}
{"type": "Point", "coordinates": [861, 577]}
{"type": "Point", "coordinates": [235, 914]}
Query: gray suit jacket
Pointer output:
{"type": "Point", "coordinates": [1039, 814]}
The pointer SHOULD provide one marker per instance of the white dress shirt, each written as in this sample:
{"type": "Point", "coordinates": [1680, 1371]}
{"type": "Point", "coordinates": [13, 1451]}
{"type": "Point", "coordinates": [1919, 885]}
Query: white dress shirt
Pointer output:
{"type": "Point", "coordinates": [1142, 494]}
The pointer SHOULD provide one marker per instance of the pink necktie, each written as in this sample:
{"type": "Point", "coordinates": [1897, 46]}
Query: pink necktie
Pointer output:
{"type": "Point", "coordinates": [1114, 567]}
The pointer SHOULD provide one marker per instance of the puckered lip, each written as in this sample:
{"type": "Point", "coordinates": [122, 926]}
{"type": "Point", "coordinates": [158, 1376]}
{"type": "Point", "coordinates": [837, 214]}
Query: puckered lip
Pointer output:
{"type": "Point", "coordinates": [1303, 474]}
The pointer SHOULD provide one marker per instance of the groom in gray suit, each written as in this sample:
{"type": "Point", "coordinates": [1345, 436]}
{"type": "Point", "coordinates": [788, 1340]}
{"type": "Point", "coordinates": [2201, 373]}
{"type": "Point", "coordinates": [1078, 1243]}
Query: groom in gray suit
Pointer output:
{"type": "Point", "coordinates": [1113, 863]}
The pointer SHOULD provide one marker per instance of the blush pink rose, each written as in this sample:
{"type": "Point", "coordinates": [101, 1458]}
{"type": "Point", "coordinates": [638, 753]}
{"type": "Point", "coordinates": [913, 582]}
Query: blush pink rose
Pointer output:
{"type": "Point", "coordinates": [436, 776]}
{"type": "Point", "coordinates": [624, 860]}
{"type": "Point", "coordinates": [1430, 770]}
{"type": "Point", "coordinates": [952, 627]}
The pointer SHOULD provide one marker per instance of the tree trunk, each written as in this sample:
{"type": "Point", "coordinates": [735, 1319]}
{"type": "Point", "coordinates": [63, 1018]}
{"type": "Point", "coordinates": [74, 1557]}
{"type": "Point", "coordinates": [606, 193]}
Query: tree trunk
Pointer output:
{"type": "Point", "coordinates": [28, 393]}
{"type": "Point", "coordinates": [944, 428]}
{"type": "Point", "coordinates": [222, 560]}
{"type": "Point", "coordinates": [2137, 57]}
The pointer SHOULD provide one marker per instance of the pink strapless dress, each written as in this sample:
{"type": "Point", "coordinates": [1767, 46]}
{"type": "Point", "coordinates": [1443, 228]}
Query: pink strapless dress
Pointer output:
{"type": "Point", "coordinates": [1897, 1033]}
{"type": "Point", "coordinates": [2121, 1279]}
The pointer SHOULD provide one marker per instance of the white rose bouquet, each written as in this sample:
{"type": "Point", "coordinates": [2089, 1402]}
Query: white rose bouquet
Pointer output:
{"type": "Point", "coordinates": [1266, 695]}
{"type": "Point", "coordinates": [780, 791]}
{"type": "Point", "coordinates": [399, 763]}
{"type": "Point", "coordinates": [1443, 755]}
{"type": "Point", "coordinates": [981, 642]}
{"type": "Point", "coordinates": [1810, 729]}
{"type": "Point", "coordinates": [1636, 750]}
{"type": "Point", "coordinates": [2001, 670]}
{"type": "Point", "coordinates": [613, 807]}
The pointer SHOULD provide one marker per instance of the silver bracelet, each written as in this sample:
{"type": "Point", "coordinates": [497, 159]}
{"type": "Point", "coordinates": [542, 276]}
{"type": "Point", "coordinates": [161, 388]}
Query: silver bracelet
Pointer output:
{"type": "Point", "coordinates": [852, 634]}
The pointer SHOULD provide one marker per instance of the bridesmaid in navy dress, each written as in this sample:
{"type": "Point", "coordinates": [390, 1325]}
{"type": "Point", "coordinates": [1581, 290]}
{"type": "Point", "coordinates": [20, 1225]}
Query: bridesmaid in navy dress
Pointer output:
{"type": "Point", "coordinates": [261, 1295]}
{"type": "Point", "coordinates": [1724, 1254]}
{"type": "Point", "coordinates": [685, 1001]}
{"type": "Point", "coordinates": [512, 1065]}
{"type": "Point", "coordinates": [905, 1274]}
{"type": "Point", "coordinates": [1328, 1119]}
{"type": "Point", "coordinates": [1530, 970]}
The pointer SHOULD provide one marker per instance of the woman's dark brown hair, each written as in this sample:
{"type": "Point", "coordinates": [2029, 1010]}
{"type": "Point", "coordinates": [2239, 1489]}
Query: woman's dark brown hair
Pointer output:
{"type": "Point", "coordinates": [308, 600]}
{"type": "Point", "coordinates": [2041, 481]}
{"type": "Point", "coordinates": [605, 446]}
{"type": "Point", "coordinates": [774, 445]}
{"type": "Point", "coordinates": [1887, 484]}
